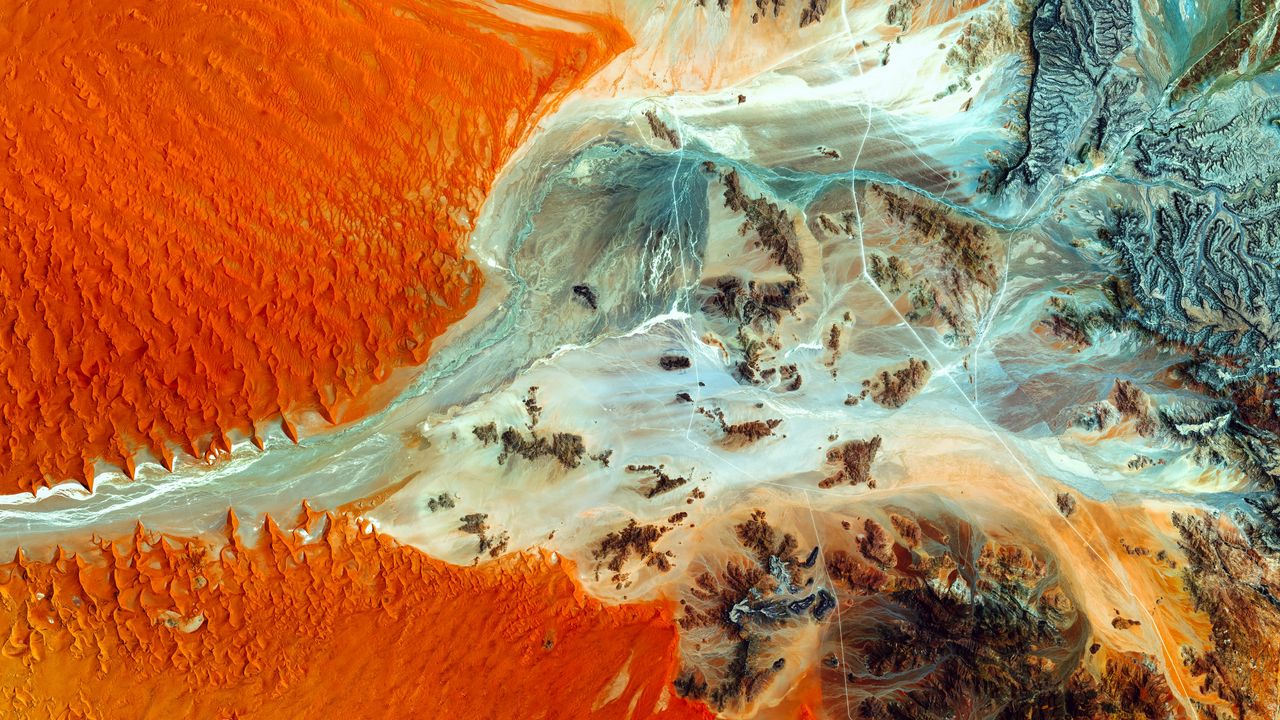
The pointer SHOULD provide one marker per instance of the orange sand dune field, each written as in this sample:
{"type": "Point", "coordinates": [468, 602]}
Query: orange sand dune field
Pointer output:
{"type": "Point", "coordinates": [221, 213]}
{"type": "Point", "coordinates": [346, 624]}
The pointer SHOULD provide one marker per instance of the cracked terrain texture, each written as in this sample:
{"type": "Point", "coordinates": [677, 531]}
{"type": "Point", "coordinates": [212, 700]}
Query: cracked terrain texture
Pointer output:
{"type": "Point", "coordinates": [620, 359]}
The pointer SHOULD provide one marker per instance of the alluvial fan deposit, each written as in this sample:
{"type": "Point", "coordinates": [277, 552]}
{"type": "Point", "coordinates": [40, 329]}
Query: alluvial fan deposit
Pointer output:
{"type": "Point", "coordinates": [707, 358]}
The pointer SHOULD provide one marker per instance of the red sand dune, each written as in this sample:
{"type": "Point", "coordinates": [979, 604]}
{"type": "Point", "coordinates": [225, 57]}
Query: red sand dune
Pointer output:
{"type": "Point", "coordinates": [349, 624]}
{"type": "Point", "coordinates": [224, 212]}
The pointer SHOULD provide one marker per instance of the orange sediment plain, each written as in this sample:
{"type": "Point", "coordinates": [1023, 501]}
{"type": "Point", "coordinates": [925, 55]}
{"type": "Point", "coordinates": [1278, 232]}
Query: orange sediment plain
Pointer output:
{"type": "Point", "coordinates": [343, 622]}
{"type": "Point", "coordinates": [216, 214]}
